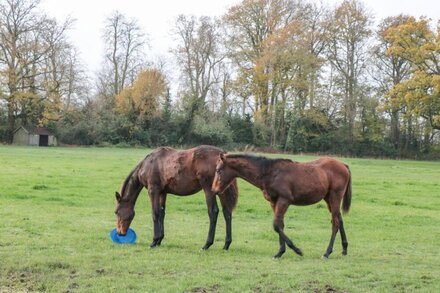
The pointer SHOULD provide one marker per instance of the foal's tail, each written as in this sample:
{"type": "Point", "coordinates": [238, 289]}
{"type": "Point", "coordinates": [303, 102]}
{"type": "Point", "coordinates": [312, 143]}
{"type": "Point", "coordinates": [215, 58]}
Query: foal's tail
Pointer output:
{"type": "Point", "coordinates": [347, 196]}
{"type": "Point", "coordinates": [229, 197]}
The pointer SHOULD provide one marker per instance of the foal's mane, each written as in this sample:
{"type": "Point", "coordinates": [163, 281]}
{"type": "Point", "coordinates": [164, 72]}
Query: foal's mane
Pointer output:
{"type": "Point", "coordinates": [261, 162]}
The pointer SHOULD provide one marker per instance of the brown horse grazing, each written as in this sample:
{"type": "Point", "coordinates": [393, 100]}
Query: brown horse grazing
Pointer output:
{"type": "Point", "coordinates": [285, 182]}
{"type": "Point", "coordinates": [185, 172]}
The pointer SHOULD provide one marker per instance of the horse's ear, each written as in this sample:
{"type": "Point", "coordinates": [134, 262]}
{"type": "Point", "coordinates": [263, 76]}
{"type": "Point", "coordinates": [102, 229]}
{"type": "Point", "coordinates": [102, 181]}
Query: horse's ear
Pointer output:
{"type": "Point", "coordinates": [222, 156]}
{"type": "Point", "coordinates": [118, 196]}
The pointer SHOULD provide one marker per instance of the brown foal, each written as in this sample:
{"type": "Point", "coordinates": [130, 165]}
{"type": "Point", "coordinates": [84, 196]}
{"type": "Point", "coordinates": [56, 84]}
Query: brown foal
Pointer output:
{"type": "Point", "coordinates": [285, 183]}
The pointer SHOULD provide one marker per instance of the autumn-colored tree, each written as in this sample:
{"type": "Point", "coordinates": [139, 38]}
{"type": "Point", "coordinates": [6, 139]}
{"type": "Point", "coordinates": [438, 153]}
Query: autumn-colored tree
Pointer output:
{"type": "Point", "coordinates": [417, 43]}
{"type": "Point", "coordinates": [347, 52]}
{"type": "Point", "coordinates": [142, 100]}
{"type": "Point", "coordinates": [389, 70]}
{"type": "Point", "coordinates": [27, 41]}
{"type": "Point", "coordinates": [249, 25]}
{"type": "Point", "coordinates": [288, 62]}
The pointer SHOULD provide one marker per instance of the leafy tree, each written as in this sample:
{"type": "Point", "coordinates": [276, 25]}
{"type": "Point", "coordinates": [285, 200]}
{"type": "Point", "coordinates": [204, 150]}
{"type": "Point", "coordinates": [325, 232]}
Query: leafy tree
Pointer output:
{"type": "Point", "coordinates": [388, 71]}
{"type": "Point", "coordinates": [30, 68]}
{"type": "Point", "coordinates": [417, 43]}
{"type": "Point", "coordinates": [140, 104]}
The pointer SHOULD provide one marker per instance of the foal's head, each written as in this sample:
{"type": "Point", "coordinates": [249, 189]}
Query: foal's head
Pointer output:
{"type": "Point", "coordinates": [224, 175]}
{"type": "Point", "coordinates": [124, 213]}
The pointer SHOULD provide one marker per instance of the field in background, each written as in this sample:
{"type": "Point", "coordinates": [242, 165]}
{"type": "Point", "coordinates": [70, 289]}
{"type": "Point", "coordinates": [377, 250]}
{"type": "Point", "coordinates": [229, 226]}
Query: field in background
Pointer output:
{"type": "Point", "coordinates": [57, 204]}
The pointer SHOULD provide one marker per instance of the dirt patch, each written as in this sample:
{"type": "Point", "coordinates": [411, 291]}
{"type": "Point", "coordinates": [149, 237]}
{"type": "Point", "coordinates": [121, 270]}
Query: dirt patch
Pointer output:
{"type": "Point", "coordinates": [24, 280]}
{"type": "Point", "coordinates": [100, 271]}
{"type": "Point", "coordinates": [213, 289]}
{"type": "Point", "coordinates": [329, 289]}
{"type": "Point", "coordinates": [58, 265]}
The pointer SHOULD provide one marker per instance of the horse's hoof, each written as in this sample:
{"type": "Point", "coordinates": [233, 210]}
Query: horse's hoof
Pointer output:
{"type": "Point", "coordinates": [207, 245]}
{"type": "Point", "coordinates": [298, 251]}
{"type": "Point", "coordinates": [344, 252]}
{"type": "Point", "coordinates": [324, 256]}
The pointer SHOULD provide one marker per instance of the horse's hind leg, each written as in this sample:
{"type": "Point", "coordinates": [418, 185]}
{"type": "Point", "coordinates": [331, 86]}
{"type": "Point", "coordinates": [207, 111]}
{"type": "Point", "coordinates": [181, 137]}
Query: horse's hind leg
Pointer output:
{"type": "Point", "coordinates": [334, 207]}
{"type": "Point", "coordinates": [278, 225]}
{"type": "Point", "coordinates": [211, 202]}
{"type": "Point", "coordinates": [343, 235]}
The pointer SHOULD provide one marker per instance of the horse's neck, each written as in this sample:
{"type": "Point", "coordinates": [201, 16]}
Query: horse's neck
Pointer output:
{"type": "Point", "coordinates": [132, 188]}
{"type": "Point", "coordinates": [248, 171]}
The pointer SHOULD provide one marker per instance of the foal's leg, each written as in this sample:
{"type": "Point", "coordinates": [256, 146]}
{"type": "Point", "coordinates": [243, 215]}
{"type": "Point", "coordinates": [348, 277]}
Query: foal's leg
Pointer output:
{"type": "Point", "coordinates": [228, 219]}
{"type": "Point", "coordinates": [282, 249]}
{"type": "Point", "coordinates": [343, 236]}
{"type": "Point", "coordinates": [211, 202]}
{"type": "Point", "coordinates": [334, 206]}
{"type": "Point", "coordinates": [157, 214]}
{"type": "Point", "coordinates": [278, 224]}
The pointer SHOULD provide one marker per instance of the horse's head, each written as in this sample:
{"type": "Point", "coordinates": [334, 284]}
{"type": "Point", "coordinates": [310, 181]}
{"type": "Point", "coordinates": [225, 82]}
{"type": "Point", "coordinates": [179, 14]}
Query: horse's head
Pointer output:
{"type": "Point", "coordinates": [224, 175]}
{"type": "Point", "coordinates": [124, 213]}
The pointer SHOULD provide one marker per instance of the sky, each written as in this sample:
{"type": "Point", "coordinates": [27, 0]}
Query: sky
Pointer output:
{"type": "Point", "coordinates": [157, 17]}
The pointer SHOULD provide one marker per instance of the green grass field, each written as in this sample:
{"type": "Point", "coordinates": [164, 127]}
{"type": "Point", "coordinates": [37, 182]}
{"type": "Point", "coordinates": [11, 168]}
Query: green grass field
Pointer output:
{"type": "Point", "coordinates": [56, 211]}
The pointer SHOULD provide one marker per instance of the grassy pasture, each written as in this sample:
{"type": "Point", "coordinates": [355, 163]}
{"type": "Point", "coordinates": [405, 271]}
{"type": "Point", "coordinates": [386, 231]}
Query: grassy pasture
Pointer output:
{"type": "Point", "coordinates": [56, 210]}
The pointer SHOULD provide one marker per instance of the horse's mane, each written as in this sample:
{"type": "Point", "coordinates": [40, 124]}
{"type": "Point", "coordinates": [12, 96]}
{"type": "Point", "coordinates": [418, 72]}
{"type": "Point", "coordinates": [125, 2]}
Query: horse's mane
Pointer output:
{"type": "Point", "coordinates": [130, 175]}
{"type": "Point", "coordinates": [261, 161]}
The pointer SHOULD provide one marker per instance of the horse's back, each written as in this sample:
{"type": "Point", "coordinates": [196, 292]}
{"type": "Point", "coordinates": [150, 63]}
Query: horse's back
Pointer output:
{"type": "Point", "coordinates": [309, 182]}
{"type": "Point", "coordinates": [181, 171]}
{"type": "Point", "coordinates": [332, 165]}
{"type": "Point", "coordinates": [337, 172]}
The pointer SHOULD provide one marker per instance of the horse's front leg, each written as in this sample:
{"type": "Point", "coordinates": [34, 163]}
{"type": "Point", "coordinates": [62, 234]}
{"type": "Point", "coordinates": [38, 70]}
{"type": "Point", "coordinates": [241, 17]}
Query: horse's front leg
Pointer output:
{"type": "Point", "coordinates": [162, 202]}
{"type": "Point", "coordinates": [278, 224]}
{"type": "Point", "coordinates": [227, 214]}
{"type": "Point", "coordinates": [211, 202]}
{"type": "Point", "coordinates": [282, 249]}
{"type": "Point", "coordinates": [156, 212]}
{"type": "Point", "coordinates": [228, 219]}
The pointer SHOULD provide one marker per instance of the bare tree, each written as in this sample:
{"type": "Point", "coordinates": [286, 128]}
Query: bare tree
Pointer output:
{"type": "Point", "coordinates": [124, 57]}
{"type": "Point", "coordinates": [199, 58]}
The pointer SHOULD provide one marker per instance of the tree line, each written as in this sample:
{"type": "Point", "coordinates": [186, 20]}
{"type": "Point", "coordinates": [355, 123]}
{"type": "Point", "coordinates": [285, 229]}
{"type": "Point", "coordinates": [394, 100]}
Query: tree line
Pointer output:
{"type": "Point", "coordinates": [286, 75]}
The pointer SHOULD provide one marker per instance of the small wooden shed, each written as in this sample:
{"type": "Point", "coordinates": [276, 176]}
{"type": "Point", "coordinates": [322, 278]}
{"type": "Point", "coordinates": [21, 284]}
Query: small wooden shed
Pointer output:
{"type": "Point", "coordinates": [36, 136]}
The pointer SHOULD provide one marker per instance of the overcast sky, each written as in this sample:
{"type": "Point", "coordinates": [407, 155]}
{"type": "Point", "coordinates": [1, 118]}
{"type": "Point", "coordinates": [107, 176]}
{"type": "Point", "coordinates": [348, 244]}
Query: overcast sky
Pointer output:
{"type": "Point", "coordinates": [157, 18]}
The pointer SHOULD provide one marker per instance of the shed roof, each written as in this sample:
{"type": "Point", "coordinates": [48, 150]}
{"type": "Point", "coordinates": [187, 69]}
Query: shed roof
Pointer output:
{"type": "Point", "coordinates": [35, 130]}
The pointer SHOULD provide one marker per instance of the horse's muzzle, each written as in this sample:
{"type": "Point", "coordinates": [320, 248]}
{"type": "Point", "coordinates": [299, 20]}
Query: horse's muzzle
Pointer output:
{"type": "Point", "coordinates": [120, 233]}
{"type": "Point", "coordinates": [120, 230]}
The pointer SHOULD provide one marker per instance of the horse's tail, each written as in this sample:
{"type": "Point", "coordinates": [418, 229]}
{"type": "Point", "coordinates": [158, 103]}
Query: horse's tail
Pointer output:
{"type": "Point", "coordinates": [347, 196]}
{"type": "Point", "coordinates": [229, 197]}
